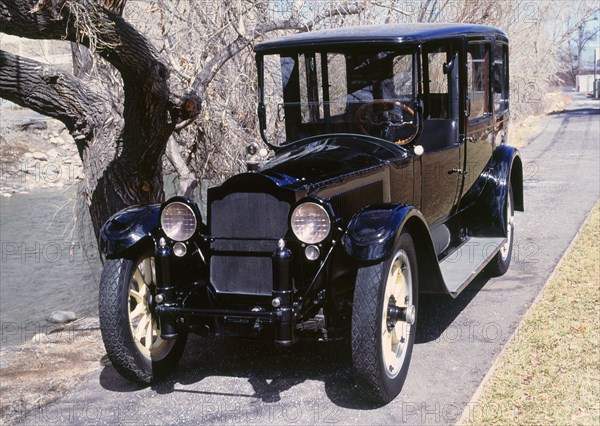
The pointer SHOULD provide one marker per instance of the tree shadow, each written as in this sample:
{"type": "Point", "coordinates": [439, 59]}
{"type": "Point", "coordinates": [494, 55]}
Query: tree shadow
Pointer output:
{"type": "Point", "coordinates": [577, 111]}
{"type": "Point", "coordinates": [438, 311]}
{"type": "Point", "coordinates": [271, 370]}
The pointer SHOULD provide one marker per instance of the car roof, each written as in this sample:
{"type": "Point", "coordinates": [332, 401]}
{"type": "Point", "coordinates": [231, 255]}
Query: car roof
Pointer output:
{"type": "Point", "coordinates": [388, 34]}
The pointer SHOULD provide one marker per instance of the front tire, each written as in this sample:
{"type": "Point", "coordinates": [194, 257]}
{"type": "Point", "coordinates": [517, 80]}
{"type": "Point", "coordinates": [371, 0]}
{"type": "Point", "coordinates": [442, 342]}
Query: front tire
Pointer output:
{"type": "Point", "coordinates": [130, 330]}
{"type": "Point", "coordinates": [381, 342]}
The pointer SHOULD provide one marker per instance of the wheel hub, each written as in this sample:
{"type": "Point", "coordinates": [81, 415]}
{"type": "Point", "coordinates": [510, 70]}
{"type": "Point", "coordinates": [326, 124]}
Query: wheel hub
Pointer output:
{"type": "Point", "coordinates": [400, 313]}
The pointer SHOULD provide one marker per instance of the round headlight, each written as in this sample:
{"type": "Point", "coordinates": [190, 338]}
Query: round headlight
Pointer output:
{"type": "Point", "coordinates": [178, 221]}
{"type": "Point", "coordinates": [311, 223]}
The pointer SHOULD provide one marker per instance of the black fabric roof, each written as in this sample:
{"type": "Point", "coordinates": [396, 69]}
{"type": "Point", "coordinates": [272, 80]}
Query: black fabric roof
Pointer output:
{"type": "Point", "coordinates": [392, 33]}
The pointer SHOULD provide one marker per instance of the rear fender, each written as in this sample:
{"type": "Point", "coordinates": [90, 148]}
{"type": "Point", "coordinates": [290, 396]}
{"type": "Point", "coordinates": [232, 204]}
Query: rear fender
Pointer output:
{"type": "Point", "coordinates": [128, 233]}
{"type": "Point", "coordinates": [505, 167]}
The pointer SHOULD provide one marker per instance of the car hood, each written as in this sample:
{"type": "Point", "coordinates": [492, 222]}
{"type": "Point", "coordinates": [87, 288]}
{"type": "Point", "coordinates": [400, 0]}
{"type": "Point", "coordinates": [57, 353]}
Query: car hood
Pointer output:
{"type": "Point", "coordinates": [314, 160]}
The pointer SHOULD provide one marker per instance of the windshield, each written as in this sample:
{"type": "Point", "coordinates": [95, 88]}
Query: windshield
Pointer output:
{"type": "Point", "coordinates": [312, 93]}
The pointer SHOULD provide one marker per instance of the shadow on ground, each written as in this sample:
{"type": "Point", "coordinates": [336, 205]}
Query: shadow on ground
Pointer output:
{"type": "Point", "coordinates": [579, 111]}
{"type": "Point", "coordinates": [271, 370]}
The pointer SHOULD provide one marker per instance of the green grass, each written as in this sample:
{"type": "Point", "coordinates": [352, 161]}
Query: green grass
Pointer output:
{"type": "Point", "coordinates": [550, 371]}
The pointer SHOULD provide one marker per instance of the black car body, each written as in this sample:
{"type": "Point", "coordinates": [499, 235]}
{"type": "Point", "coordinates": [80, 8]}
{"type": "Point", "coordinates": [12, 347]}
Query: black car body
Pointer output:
{"type": "Point", "coordinates": [388, 176]}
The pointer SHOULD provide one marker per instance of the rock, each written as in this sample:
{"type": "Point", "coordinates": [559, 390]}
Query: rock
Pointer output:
{"type": "Point", "coordinates": [52, 153]}
{"type": "Point", "coordinates": [55, 140]}
{"type": "Point", "coordinates": [28, 155]}
{"type": "Point", "coordinates": [39, 337]}
{"type": "Point", "coordinates": [105, 361]}
{"type": "Point", "coordinates": [39, 156]}
{"type": "Point", "coordinates": [61, 317]}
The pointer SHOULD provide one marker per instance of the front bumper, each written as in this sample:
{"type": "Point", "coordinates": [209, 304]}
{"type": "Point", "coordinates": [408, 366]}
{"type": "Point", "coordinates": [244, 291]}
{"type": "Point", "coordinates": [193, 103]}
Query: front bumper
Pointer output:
{"type": "Point", "coordinates": [282, 317]}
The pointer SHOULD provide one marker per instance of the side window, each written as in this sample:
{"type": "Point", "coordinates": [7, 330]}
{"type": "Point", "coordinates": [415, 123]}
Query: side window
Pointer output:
{"type": "Point", "coordinates": [478, 82]}
{"type": "Point", "coordinates": [336, 72]}
{"type": "Point", "coordinates": [437, 84]}
{"type": "Point", "coordinates": [500, 77]}
{"type": "Point", "coordinates": [403, 76]}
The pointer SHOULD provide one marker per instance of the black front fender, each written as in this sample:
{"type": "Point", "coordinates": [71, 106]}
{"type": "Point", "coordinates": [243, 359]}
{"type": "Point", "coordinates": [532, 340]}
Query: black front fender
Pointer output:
{"type": "Point", "coordinates": [372, 231]}
{"type": "Point", "coordinates": [372, 234]}
{"type": "Point", "coordinates": [128, 233]}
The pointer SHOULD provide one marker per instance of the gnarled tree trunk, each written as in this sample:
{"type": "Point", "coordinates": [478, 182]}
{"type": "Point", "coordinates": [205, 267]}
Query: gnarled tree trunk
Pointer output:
{"type": "Point", "coordinates": [121, 146]}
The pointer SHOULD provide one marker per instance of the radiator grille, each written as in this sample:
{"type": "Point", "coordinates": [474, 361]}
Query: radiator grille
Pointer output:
{"type": "Point", "coordinates": [249, 215]}
{"type": "Point", "coordinates": [246, 226]}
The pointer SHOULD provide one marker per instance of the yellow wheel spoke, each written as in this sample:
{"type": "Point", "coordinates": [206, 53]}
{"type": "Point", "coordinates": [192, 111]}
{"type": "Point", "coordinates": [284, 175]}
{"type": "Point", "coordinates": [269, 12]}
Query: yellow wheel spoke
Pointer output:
{"type": "Point", "coordinates": [137, 275]}
{"type": "Point", "coordinates": [148, 342]}
{"type": "Point", "coordinates": [137, 296]}
{"type": "Point", "coordinates": [139, 310]}
{"type": "Point", "coordinates": [141, 328]}
{"type": "Point", "coordinates": [144, 328]}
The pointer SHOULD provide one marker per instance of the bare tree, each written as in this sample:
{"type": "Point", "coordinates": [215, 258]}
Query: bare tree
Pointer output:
{"type": "Point", "coordinates": [121, 146]}
{"type": "Point", "coordinates": [123, 108]}
{"type": "Point", "coordinates": [578, 37]}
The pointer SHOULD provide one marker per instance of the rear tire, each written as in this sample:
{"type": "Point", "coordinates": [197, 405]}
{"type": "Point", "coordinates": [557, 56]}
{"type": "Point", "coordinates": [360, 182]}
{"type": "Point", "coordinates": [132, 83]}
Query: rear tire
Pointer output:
{"type": "Point", "coordinates": [500, 263]}
{"type": "Point", "coordinates": [382, 347]}
{"type": "Point", "coordinates": [130, 330]}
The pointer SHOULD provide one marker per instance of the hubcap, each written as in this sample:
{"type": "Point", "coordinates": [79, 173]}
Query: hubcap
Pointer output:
{"type": "Point", "coordinates": [398, 314]}
{"type": "Point", "coordinates": [144, 326]}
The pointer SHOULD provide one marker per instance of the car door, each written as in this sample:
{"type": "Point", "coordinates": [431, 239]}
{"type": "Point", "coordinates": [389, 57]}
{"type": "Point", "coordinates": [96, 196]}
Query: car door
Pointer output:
{"type": "Point", "coordinates": [440, 162]}
{"type": "Point", "coordinates": [479, 138]}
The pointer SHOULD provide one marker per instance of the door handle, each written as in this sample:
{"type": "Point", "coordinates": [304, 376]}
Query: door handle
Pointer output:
{"type": "Point", "coordinates": [459, 171]}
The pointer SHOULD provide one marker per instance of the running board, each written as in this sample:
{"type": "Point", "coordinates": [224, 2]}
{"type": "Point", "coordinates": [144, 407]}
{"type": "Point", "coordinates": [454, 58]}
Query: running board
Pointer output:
{"type": "Point", "coordinates": [461, 266]}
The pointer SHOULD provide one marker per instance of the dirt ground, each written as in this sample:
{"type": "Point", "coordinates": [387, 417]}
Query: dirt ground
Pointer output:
{"type": "Point", "coordinates": [40, 371]}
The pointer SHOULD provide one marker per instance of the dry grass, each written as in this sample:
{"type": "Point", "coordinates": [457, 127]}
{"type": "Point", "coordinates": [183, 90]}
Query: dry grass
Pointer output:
{"type": "Point", "coordinates": [40, 371]}
{"type": "Point", "coordinates": [550, 372]}
{"type": "Point", "coordinates": [523, 131]}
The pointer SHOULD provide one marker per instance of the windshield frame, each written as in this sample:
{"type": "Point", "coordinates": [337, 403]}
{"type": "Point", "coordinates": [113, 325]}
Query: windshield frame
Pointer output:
{"type": "Point", "coordinates": [410, 49]}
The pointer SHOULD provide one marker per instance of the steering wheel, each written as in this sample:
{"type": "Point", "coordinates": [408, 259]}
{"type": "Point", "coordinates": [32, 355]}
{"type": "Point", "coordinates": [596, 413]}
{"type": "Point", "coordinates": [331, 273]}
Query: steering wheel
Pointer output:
{"type": "Point", "coordinates": [384, 115]}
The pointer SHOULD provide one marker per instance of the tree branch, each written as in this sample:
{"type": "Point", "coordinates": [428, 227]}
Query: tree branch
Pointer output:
{"type": "Point", "coordinates": [148, 99]}
{"type": "Point", "coordinates": [211, 69]}
{"type": "Point", "coordinates": [52, 92]}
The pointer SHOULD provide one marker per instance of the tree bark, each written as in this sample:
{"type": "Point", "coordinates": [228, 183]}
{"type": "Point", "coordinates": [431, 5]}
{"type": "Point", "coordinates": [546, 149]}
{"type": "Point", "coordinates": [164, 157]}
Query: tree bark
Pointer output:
{"type": "Point", "coordinates": [54, 93]}
{"type": "Point", "coordinates": [121, 155]}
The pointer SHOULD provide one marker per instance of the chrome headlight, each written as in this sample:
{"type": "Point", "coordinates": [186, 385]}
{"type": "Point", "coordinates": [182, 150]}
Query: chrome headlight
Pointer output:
{"type": "Point", "coordinates": [178, 221]}
{"type": "Point", "coordinates": [310, 223]}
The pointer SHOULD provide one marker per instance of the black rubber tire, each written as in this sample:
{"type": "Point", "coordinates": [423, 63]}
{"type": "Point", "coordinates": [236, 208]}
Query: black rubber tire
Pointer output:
{"type": "Point", "coordinates": [116, 331]}
{"type": "Point", "coordinates": [499, 265]}
{"type": "Point", "coordinates": [366, 331]}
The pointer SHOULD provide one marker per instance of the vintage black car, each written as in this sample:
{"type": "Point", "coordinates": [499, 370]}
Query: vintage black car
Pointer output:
{"type": "Point", "coordinates": [387, 175]}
